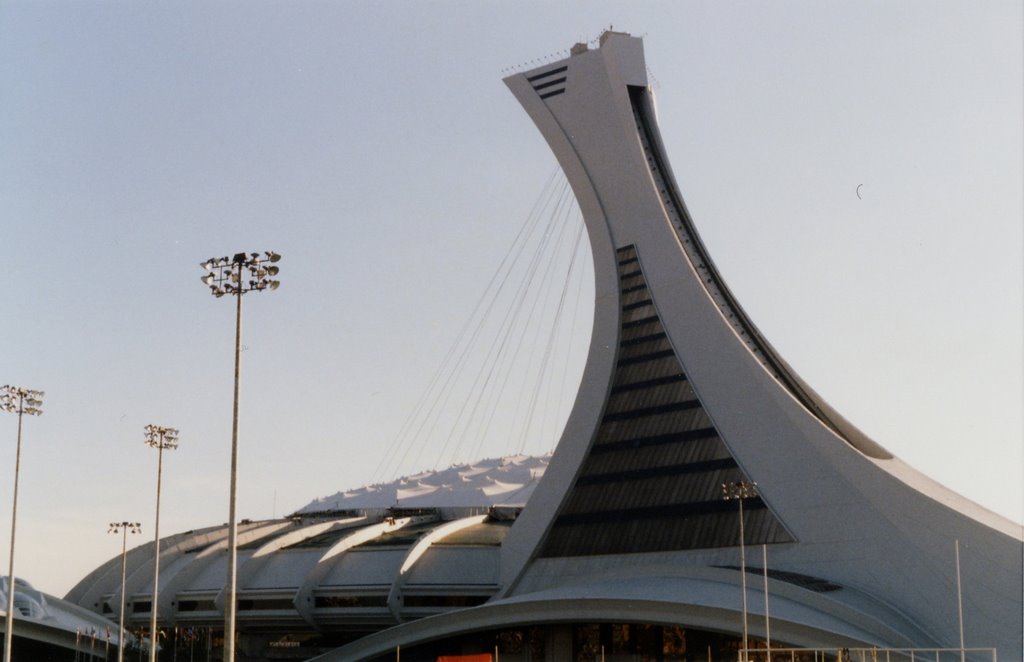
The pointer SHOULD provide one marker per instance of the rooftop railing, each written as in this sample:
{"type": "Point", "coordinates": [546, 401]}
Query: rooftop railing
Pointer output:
{"type": "Point", "coordinates": [867, 655]}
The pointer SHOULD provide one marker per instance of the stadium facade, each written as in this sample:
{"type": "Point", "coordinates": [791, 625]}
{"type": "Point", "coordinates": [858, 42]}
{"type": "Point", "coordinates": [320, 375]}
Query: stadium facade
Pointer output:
{"type": "Point", "coordinates": [48, 629]}
{"type": "Point", "coordinates": [627, 548]}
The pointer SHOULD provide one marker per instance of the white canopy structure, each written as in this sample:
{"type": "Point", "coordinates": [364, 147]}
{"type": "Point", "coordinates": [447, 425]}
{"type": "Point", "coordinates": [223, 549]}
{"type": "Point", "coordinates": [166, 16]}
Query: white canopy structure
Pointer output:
{"type": "Point", "coordinates": [46, 627]}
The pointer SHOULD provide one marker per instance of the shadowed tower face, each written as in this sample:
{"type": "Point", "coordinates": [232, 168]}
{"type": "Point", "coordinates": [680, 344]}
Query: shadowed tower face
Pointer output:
{"type": "Point", "coordinates": [653, 474]}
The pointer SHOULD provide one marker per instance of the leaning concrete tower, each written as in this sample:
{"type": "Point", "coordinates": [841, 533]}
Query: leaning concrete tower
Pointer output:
{"type": "Point", "coordinates": [682, 394]}
{"type": "Point", "coordinates": [682, 397]}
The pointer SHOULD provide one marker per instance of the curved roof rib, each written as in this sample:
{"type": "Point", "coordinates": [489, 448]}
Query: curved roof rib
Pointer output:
{"type": "Point", "coordinates": [305, 601]}
{"type": "Point", "coordinates": [418, 550]}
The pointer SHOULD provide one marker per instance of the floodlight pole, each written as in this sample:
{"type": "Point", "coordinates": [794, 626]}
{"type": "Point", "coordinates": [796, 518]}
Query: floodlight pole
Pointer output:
{"type": "Point", "coordinates": [124, 528]}
{"type": "Point", "coordinates": [231, 608]}
{"type": "Point", "coordinates": [20, 401]}
{"type": "Point", "coordinates": [225, 277]}
{"type": "Point", "coordinates": [767, 622]}
{"type": "Point", "coordinates": [743, 578]}
{"type": "Point", "coordinates": [739, 491]}
{"type": "Point", "coordinates": [161, 438]}
{"type": "Point", "coordinates": [959, 601]}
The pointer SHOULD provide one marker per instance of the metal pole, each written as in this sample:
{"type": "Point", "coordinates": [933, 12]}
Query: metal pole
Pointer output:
{"type": "Point", "coordinates": [124, 559]}
{"type": "Point", "coordinates": [156, 552]}
{"type": "Point", "coordinates": [225, 277]}
{"type": "Point", "coordinates": [230, 608]}
{"type": "Point", "coordinates": [959, 600]}
{"type": "Point", "coordinates": [9, 624]}
{"type": "Point", "coordinates": [767, 623]}
{"type": "Point", "coordinates": [743, 580]}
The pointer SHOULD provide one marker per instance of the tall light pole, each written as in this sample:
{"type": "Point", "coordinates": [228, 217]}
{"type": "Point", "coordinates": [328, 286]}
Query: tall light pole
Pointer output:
{"type": "Point", "coordinates": [19, 401]}
{"type": "Point", "coordinates": [124, 528]}
{"type": "Point", "coordinates": [161, 438]}
{"type": "Point", "coordinates": [739, 491]}
{"type": "Point", "coordinates": [767, 622]}
{"type": "Point", "coordinates": [245, 272]}
{"type": "Point", "coordinates": [959, 601]}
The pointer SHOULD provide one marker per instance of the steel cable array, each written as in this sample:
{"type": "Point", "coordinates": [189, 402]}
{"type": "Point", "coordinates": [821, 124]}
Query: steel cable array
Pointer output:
{"type": "Point", "coordinates": [499, 389]}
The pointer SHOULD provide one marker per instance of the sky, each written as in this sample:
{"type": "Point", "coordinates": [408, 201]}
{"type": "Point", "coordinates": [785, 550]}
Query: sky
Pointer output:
{"type": "Point", "coordinates": [375, 147]}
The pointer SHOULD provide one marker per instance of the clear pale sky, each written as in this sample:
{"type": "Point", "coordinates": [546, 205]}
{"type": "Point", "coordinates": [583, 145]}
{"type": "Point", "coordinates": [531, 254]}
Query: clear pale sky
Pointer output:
{"type": "Point", "coordinates": [375, 147]}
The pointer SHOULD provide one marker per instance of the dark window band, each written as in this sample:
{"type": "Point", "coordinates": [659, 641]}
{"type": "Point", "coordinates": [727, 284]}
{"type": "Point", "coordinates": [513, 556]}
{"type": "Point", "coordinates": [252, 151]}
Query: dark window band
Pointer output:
{"type": "Point", "coordinates": [656, 512]}
{"type": "Point", "coordinates": [549, 83]}
{"type": "Point", "coordinates": [552, 72]}
{"type": "Point", "coordinates": [652, 411]}
{"type": "Point", "coordinates": [266, 604]}
{"type": "Point", "coordinates": [639, 322]}
{"type": "Point", "coordinates": [638, 304]}
{"type": "Point", "coordinates": [643, 358]}
{"type": "Point", "coordinates": [658, 472]}
{"type": "Point", "coordinates": [642, 339]}
{"type": "Point", "coordinates": [648, 383]}
{"type": "Point", "coordinates": [658, 440]}
{"type": "Point", "coordinates": [808, 582]}
{"type": "Point", "coordinates": [350, 601]}
{"type": "Point", "coordinates": [444, 600]}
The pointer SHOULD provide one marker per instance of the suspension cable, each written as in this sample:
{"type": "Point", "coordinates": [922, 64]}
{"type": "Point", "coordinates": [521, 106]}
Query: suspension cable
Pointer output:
{"type": "Point", "coordinates": [506, 344]}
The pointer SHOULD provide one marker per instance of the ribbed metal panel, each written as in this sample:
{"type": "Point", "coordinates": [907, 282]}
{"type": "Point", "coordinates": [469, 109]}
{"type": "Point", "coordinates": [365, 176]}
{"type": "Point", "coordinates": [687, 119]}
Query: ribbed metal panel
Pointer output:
{"type": "Point", "coordinates": [652, 479]}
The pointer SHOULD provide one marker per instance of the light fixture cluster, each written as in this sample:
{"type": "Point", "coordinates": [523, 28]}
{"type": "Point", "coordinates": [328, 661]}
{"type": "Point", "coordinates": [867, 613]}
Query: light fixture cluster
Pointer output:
{"type": "Point", "coordinates": [17, 400]}
{"type": "Point", "coordinates": [158, 436]}
{"type": "Point", "coordinates": [226, 274]}
{"type": "Point", "coordinates": [739, 489]}
{"type": "Point", "coordinates": [129, 527]}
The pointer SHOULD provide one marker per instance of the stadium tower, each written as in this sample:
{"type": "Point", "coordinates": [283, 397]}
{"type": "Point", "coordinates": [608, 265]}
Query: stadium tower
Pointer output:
{"type": "Point", "coordinates": [681, 395]}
